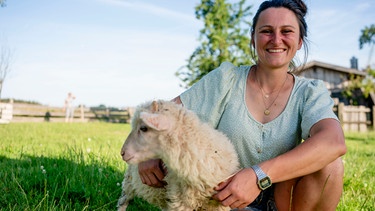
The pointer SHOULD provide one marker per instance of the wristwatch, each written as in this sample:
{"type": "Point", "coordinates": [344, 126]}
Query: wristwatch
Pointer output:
{"type": "Point", "coordinates": [264, 181]}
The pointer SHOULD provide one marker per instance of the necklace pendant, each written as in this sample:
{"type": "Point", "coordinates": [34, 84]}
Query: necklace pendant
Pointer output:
{"type": "Point", "coordinates": [267, 112]}
{"type": "Point", "coordinates": [266, 96]}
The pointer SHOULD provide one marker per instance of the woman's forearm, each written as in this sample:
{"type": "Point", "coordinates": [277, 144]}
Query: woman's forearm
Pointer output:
{"type": "Point", "coordinates": [326, 144]}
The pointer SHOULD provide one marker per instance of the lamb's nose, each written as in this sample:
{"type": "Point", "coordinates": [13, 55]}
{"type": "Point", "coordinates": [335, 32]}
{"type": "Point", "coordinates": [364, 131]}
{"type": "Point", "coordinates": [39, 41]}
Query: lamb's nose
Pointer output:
{"type": "Point", "coordinates": [122, 153]}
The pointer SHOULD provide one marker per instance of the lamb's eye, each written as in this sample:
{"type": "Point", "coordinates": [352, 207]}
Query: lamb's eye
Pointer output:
{"type": "Point", "coordinates": [143, 128]}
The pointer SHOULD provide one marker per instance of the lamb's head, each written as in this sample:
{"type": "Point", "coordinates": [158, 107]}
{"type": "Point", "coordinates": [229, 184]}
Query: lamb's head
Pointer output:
{"type": "Point", "coordinates": [150, 124]}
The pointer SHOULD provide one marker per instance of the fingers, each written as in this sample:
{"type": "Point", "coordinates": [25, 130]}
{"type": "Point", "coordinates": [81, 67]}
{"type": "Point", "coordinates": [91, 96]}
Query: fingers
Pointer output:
{"type": "Point", "coordinates": [226, 181]}
{"type": "Point", "coordinates": [227, 198]}
{"type": "Point", "coordinates": [152, 180]}
{"type": "Point", "coordinates": [234, 202]}
{"type": "Point", "coordinates": [151, 173]}
{"type": "Point", "coordinates": [238, 191]}
{"type": "Point", "coordinates": [222, 185]}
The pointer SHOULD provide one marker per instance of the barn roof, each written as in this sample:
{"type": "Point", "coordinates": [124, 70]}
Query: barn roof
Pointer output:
{"type": "Point", "coordinates": [331, 67]}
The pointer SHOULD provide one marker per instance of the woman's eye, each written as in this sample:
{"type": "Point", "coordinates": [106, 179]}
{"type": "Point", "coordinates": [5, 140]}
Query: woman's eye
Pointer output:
{"type": "Point", "coordinates": [143, 128]}
{"type": "Point", "coordinates": [266, 31]}
{"type": "Point", "coordinates": [286, 31]}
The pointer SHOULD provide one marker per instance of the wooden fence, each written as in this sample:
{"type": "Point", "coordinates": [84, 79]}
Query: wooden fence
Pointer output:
{"type": "Point", "coordinates": [6, 113]}
{"type": "Point", "coordinates": [22, 112]}
{"type": "Point", "coordinates": [355, 118]}
{"type": "Point", "coordinates": [352, 118]}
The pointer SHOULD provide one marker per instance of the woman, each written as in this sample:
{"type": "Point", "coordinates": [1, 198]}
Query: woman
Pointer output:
{"type": "Point", "coordinates": [69, 107]}
{"type": "Point", "coordinates": [267, 111]}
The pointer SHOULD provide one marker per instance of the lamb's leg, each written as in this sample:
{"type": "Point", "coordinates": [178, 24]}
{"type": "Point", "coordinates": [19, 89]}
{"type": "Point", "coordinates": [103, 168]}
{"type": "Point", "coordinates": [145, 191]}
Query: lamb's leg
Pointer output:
{"type": "Point", "coordinates": [132, 187]}
{"type": "Point", "coordinates": [176, 203]}
{"type": "Point", "coordinates": [181, 198]}
{"type": "Point", "coordinates": [127, 192]}
{"type": "Point", "coordinates": [213, 205]}
{"type": "Point", "coordinates": [122, 203]}
{"type": "Point", "coordinates": [178, 207]}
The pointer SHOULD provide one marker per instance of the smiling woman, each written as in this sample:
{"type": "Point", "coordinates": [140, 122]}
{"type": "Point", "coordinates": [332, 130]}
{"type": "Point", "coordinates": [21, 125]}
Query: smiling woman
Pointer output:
{"type": "Point", "coordinates": [277, 39]}
{"type": "Point", "coordinates": [293, 109]}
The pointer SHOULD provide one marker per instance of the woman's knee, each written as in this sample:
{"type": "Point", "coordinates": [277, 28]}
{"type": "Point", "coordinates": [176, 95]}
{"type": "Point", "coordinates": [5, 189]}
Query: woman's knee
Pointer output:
{"type": "Point", "coordinates": [327, 185]}
{"type": "Point", "coordinates": [312, 190]}
{"type": "Point", "coordinates": [330, 177]}
{"type": "Point", "coordinates": [332, 172]}
{"type": "Point", "coordinates": [336, 168]}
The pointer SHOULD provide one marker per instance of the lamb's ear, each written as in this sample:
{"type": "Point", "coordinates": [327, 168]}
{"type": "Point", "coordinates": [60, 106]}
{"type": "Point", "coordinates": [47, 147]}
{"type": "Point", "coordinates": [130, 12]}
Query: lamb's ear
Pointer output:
{"type": "Point", "coordinates": [156, 121]}
{"type": "Point", "coordinates": [154, 106]}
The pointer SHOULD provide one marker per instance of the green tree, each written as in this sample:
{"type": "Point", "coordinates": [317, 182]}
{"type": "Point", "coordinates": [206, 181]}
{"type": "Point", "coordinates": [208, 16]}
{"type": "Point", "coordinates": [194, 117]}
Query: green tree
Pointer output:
{"type": "Point", "coordinates": [2, 3]}
{"type": "Point", "coordinates": [367, 84]}
{"type": "Point", "coordinates": [225, 37]}
{"type": "Point", "coordinates": [5, 64]}
{"type": "Point", "coordinates": [368, 37]}
{"type": "Point", "coordinates": [358, 87]}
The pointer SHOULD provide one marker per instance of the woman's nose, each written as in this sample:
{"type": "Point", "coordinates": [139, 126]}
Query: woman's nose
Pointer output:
{"type": "Point", "coordinates": [277, 38]}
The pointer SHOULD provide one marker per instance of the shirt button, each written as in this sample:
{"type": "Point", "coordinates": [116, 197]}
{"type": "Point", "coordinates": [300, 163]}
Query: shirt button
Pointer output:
{"type": "Point", "coordinates": [259, 150]}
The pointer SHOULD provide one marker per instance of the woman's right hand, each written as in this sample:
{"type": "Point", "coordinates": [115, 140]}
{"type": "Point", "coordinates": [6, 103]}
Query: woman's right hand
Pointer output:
{"type": "Point", "coordinates": [152, 173]}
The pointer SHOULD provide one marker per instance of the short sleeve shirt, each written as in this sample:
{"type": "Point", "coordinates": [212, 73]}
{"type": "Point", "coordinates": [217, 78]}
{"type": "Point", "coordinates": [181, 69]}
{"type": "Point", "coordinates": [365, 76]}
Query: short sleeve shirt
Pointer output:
{"type": "Point", "coordinates": [219, 99]}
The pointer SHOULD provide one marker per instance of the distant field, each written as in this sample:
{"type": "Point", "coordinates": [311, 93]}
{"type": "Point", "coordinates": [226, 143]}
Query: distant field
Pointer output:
{"type": "Point", "coordinates": [58, 166]}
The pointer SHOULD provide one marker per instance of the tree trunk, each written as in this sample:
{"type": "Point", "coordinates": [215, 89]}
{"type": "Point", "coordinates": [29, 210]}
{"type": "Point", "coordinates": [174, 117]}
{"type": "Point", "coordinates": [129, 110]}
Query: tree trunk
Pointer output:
{"type": "Point", "coordinates": [1, 87]}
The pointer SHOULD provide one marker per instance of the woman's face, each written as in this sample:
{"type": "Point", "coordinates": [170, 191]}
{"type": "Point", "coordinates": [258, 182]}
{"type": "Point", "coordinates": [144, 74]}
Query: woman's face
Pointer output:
{"type": "Point", "coordinates": [276, 37]}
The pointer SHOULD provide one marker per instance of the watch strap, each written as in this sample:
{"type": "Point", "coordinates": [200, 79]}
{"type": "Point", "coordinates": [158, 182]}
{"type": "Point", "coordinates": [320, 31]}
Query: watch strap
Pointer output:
{"type": "Point", "coordinates": [264, 180]}
{"type": "Point", "coordinates": [259, 172]}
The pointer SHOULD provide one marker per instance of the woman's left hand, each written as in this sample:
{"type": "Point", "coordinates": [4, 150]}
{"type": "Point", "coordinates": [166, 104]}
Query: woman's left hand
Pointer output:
{"type": "Point", "coordinates": [238, 191]}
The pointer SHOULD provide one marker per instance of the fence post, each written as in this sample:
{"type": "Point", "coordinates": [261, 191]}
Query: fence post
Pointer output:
{"type": "Point", "coordinates": [340, 113]}
{"type": "Point", "coordinates": [6, 112]}
{"type": "Point", "coordinates": [362, 125]}
{"type": "Point", "coordinates": [82, 113]}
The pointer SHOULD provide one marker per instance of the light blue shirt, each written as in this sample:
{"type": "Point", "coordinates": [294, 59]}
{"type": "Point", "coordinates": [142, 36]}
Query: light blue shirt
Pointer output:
{"type": "Point", "coordinates": [219, 99]}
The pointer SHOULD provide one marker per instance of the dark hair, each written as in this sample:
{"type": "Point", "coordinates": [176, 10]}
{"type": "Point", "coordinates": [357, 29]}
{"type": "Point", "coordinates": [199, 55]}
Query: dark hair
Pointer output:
{"type": "Point", "coordinates": [298, 7]}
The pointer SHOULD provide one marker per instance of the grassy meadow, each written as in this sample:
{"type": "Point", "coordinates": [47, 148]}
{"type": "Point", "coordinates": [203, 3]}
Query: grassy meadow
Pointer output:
{"type": "Point", "coordinates": [77, 166]}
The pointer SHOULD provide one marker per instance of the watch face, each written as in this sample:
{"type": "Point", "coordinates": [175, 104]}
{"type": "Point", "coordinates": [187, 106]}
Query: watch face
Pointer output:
{"type": "Point", "coordinates": [265, 183]}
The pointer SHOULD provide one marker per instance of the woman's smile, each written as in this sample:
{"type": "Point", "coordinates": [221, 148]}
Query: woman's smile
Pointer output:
{"type": "Point", "coordinates": [276, 37]}
{"type": "Point", "coordinates": [278, 50]}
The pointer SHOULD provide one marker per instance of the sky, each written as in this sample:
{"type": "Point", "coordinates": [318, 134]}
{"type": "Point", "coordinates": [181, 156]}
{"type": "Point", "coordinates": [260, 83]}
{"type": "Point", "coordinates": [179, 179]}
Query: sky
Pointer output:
{"type": "Point", "coordinates": [122, 53]}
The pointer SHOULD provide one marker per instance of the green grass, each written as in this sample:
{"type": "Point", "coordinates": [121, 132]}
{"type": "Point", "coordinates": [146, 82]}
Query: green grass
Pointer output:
{"type": "Point", "coordinates": [359, 180]}
{"type": "Point", "coordinates": [58, 166]}
{"type": "Point", "coordinates": [61, 166]}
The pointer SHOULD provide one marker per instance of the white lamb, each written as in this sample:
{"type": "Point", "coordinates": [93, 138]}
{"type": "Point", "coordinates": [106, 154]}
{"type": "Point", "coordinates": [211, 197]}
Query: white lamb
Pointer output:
{"type": "Point", "coordinates": [197, 157]}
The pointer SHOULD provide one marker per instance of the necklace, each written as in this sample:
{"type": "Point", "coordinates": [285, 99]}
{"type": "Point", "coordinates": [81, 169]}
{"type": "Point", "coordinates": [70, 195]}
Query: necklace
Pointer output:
{"type": "Point", "coordinates": [266, 96]}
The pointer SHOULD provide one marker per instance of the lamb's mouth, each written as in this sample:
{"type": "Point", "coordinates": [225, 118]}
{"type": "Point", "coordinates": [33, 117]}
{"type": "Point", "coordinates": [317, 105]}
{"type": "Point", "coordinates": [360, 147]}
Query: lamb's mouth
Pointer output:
{"type": "Point", "coordinates": [128, 159]}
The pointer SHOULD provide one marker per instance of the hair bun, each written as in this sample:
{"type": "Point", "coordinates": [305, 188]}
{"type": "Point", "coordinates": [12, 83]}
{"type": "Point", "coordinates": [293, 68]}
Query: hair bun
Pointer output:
{"type": "Point", "coordinates": [302, 7]}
